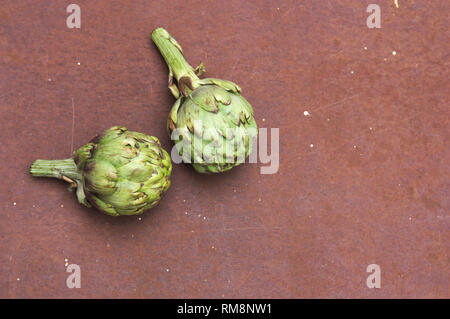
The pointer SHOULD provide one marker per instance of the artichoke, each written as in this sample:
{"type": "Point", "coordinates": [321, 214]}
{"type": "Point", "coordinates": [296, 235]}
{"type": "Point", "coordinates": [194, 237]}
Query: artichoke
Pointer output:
{"type": "Point", "coordinates": [118, 172]}
{"type": "Point", "coordinates": [212, 125]}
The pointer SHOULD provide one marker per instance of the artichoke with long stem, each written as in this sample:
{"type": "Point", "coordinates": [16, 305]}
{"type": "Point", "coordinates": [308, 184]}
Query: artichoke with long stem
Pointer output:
{"type": "Point", "coordinates": [119, 172]}
{"type": "Point", "coordinates": [212, 125]}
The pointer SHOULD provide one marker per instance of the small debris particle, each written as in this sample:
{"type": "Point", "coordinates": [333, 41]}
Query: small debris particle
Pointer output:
{"type": "Point", "coordinates": [212, 247]}
{"type": "Point", "coordinates": [354, 146]}
{"type": "Point", "coordinates": [140, 218]}
{"type": "Point", "coordinates": [62, 205]}
{"type": "Point", "coordinates": [66, 264]}
{"type": "Point", "coordinates": [263, 120]}
{"type": "Point", "coordinates": [79, 63]}
{"type": "Point", "coordinates": [18, 279]}
{"type": "Point", "coordinates": [352, 72]}
{"type": "Point", "coordinates": [184, 201]}
{"type": "Point", "coordinates": [394, 52]}
{"type": "Point", "coordinates": [311, 145]}
{"type": "Point", "coordinates": [385, 59]}
{"type": "Point", "coordinates": [396, 3]}
{"type": "Point", "coordinates": [167, 269]}
{"type": "Point", "coordinates": [14, 203]}
{"type": "Point", "coordinates": [306, 113]}
{"type": "Point", "coordinates": [365, 48]}
{"type": "Point", "coordinates": [410, 218]}
{"type": "Point", "coordinates": [199, 215]}
{"type": "Point", "coordinates": [66, 260]}
{"type": "Point", "coordinates": [259, 199]}
{"type": "Point", "coordinates": [204, 218]}
{"type": "Point", "coordinates": [328, 120]}
{"type": "Point", "coordinates": [49, 79]}
{"type": "Point", "coordinates": [370, 128]}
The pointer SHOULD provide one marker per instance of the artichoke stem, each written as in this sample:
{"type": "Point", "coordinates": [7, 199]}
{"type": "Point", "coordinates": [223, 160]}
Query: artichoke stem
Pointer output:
{"type": "Point", "coordinates": [61, 169]}
{"type": "Point", "coordinates": [173, 55]}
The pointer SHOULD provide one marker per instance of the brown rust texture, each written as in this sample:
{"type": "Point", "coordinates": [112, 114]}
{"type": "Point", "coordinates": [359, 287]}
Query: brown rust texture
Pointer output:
{"type": "Point", "coordinates": [364, 179]}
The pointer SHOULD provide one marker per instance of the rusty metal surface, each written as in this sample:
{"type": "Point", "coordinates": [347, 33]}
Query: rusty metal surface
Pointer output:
{"type": "Point", "coordinates": [372, 188]}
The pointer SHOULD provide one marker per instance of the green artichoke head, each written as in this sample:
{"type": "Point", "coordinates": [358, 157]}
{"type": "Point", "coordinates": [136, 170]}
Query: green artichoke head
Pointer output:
{"type": "Point", "coordinates": [126, 172]}
{"type": "Point", "coordinates": [211, 123]}
{"type": "Point", "coordinates": [119, 172]}
{"type": "Point", "coordinates": [213, 126]}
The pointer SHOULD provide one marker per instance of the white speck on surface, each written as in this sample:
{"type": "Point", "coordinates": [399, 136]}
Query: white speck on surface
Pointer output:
{"type": "Point", "coordinates": [394, 52]}
{"type": "Point", "coordinates": [212, 247]}
{"type": "Point", "coordinates": [14, 203]}
{"type": "Point", "coordinates": [66, 260]}
{"type": "Point", "coordinates": [199, 215]}
{"type": "Point", "coordinates": [167, 269]}
{"type": "Point", "coordinates": [18, 279]}
{"type": "Point", "coordinates": [185, 213]}
{"type": "Point", "coordinates": [79, 63]}
{"type": "Point", "coordinates": [66, 264]}
{"type": "Point", "coordinates": [140, 218]}
{"type": "Point", "coordinates": [365, 48]}
{"type": "Point", "coordinates": [328, 120]}
{"type": "Point", "coordinates": [354, 146]}
{"type": "Point", "coordinates": [385, 59]}
{"type": "Point", "coordinates": [34, 205]}
{"type": "Point", "coordinates": [370, 128]}
{"type": "Point", "coordinates": [132, 236]}
{"type": "Point", "coordinates": [263, 120]}
{"type": "Point", "coordinates": [204, 218]}
{"type": "Point", "coordinates": [311, 145]}
{"type": "Point", "coordinates": [410, 218]}
{"type": "Point", "coordinates": [306, 113]}
{"type": "Point", "coordinates": [49, 79]}
{"type": "Point", "coordinates": [396, 3]}
{"type": "Point", "coordinates": [352, 72]}
{"type": "Point", "coordinates": [184, 201]}
{"type": "Point", "coordinates": [259, 199]}
{"type": "Point", "coordinates": [62, 205]}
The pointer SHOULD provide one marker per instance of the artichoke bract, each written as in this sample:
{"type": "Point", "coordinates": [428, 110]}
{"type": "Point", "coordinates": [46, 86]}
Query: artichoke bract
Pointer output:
{"type": "Point", "coordinates": [119, 172]}
{"type": "Point", "coordinates": [212, 125]}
